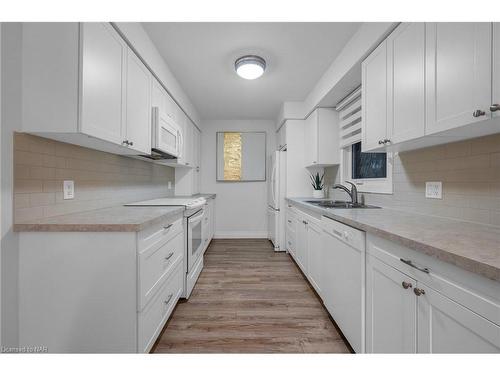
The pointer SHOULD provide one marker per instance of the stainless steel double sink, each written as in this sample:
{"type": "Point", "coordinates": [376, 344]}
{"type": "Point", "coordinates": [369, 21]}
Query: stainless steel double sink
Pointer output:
{"type": "Point", "coordinates": [339, 204]}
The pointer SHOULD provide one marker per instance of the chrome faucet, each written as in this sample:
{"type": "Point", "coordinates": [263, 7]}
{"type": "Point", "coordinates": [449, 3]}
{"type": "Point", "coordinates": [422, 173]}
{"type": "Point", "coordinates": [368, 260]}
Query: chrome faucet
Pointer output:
{"type": "Point", "coordinates": [353, 193]}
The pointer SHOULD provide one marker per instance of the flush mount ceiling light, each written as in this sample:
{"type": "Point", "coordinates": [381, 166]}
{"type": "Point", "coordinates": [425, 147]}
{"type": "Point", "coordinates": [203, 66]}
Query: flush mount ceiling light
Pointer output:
{"type": "Point", "coordinates": [250, 66]}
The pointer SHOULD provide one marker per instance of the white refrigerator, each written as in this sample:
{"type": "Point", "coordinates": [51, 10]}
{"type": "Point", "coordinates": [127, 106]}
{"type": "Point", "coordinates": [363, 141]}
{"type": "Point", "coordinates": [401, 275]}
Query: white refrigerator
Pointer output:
{"type": "Point", "coordinates": [276, 190]}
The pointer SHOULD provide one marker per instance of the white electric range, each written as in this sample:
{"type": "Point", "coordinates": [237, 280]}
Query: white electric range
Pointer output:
{"type": "Point", "coordinates": [193, 231]}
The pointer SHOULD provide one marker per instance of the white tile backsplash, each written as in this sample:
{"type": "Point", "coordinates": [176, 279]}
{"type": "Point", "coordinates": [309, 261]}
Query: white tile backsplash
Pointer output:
{"type": "Point", "coordinates": [469, 171]}
{"type": "Point", "coordinates": [101, 179]}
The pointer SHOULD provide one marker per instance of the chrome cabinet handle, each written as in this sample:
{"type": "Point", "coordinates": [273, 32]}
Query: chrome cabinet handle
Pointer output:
{"type": "Point", "coordinates": [418, 291]}
{"type": "Point", "coordinates": [380, 142]}
{"type": "Point", "coordinates": [406, 284]}
{"type": "Point", "coordinates": [410, 263]}
{"type": "Point", "coordinates": [478, 113]}
{"type": "Point", "coordinates": [387, 141]}
{"type": "Point", "coordinates": [126, 142]}
{"type": "Point", "coordinates": [131, 143]}
{"type": "Point", "coordinates": [168, 227]}
{"type": "Point", "coordinates": [169, 256]}
{"type": "Point", "coordinates": [167, 301]}
{"type": "Point", "coordinates": [304, 222]}
{"type": "Point", "coordinates": [290, 221]}
{"type": "Point", "coordinates": [495, 107]}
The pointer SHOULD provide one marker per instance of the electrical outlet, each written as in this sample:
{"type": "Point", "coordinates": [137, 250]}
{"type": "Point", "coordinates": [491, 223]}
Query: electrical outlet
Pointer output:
{"type": "Point", "coordinates": [434, 190]}
{"type": "Point", "coordinates": [68, 189]}
{"type": "Point", "coordinates": [169, 185]}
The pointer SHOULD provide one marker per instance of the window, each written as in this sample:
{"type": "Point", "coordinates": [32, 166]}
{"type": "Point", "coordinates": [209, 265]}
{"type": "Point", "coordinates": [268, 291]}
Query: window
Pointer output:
{"type": "Point", "coordinates": [370, 171]}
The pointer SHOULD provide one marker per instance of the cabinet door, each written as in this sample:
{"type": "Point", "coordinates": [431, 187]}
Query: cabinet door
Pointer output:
{"type": "Point", "coordinates": [158, 95]}
{"type": "Point", "coordinates": [311, 139]}
{"type": "Point", "coordinates": [406, 82]}
{"type": "Point", "coordinates": [391, 321]}
{"type": "Point", "coordinates": [374, 98]}
{"type": "Point", "coordinates": [187, 141]}
{"type": "Point", "coordinates": [104, 55]}
{"type": "Point", "coordinates": [315, 256]}
{"type": "Point", "coordinates": [301, 244]}
{"type": "Point", "coordinates": [496, 71]}
{"type": "Point", "coordinates": [445, 326]}
{"type": "Point", "coordinates": [138, 119]}
{"type": "Point", "coordinates": [458, 74]}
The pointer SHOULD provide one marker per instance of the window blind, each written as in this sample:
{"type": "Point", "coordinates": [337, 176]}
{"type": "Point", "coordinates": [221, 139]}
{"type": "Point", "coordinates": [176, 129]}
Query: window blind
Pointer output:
{"type": "Point", "coordinates": [350, 118]}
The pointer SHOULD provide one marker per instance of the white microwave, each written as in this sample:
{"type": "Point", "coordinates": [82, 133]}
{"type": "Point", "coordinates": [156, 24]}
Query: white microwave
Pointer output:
{"type": "Point", "coordinates": [167, 134]}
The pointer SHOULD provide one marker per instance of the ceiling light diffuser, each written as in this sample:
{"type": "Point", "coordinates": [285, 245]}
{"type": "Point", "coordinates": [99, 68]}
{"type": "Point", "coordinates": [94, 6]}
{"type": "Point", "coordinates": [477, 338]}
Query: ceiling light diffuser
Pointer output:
{"type": "Point", "coordinates": [250, 66]}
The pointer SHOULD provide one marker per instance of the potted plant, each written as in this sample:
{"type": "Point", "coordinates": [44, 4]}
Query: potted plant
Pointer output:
{"type": "Point", "coordinates": [318, 184]}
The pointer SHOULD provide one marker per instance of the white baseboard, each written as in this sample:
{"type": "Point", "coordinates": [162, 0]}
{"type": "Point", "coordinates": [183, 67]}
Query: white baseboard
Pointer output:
{"type": "Point", "coordinates": [242, 234]}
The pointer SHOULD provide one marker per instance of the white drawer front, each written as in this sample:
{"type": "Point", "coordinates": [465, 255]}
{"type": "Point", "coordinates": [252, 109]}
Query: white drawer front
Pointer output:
{"type": "Point", "coordinates": [157, 264]}
{"type": "Point", "coordinates": [156, 313]}
{"type": "Point", "coordinates": [159, 233]}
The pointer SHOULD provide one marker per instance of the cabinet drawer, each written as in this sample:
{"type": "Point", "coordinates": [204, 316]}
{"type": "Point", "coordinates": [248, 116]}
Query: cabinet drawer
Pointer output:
{"type": "Point", "coordinates": [159, 233]}
{"type": "Point", "coordinates": [156, 264]}
{"type": "Point", "coordinates": [156, 313]}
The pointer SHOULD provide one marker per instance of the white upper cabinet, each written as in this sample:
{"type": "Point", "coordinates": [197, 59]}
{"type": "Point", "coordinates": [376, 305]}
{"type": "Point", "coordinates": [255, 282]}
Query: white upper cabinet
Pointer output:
{"type": "Point", "coordinates": [458, 74]}
{"type": "Point", "coordinates": [427, 82]}
{"type": "Point", "coordinates": [406, 83]}
{"type": "Point", "coordinates": [495, 102]}
{"type": "Point", "coordinates": [104, 56]}
{"type": "Point", "coordinates": [322, 138]}
{"type": "Point", "coordinates": [82, 84]}
{"type": "Point", "coordinates": [138, 105]}
{"type": "Point", "coordinates": [374, 98]}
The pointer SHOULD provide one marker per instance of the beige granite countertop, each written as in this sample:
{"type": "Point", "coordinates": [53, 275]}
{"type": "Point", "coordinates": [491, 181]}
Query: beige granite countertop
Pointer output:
{"type": "Point", "coordinates": [470, 246]}
{"type": "Point", "coordinates": [113, 219]}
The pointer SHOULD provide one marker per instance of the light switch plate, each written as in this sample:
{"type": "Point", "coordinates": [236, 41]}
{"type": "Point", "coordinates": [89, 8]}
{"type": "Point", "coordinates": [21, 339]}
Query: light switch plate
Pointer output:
{"type": "Point", "coordinates": [68, 189]}
{"type": "Point", "coordinates": [434, 190]}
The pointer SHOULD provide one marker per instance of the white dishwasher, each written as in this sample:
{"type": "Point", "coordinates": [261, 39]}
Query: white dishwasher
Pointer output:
{"type": "Point", "coordinates": [344, 279]}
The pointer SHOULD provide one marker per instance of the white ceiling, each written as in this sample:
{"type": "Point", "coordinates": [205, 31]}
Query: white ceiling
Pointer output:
{"type": "Point", "coordinates": [201, 56]}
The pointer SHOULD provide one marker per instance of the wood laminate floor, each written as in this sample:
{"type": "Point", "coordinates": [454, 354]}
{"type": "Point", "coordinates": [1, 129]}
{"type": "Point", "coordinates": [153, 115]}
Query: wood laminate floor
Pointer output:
{"type": "Point", "coordinates": [250, 299]}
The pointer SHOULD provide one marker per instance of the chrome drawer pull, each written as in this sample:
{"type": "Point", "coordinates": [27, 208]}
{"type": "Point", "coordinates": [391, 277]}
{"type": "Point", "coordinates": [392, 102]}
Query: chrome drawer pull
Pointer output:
{"type": "Point", "coordinates": [169, 256]}
{"type": "Point", "coordinates": [290, 221]}
{"type": "Point", "coordinates": [410, 263]}
{"type": "Point", "coordinates": [168, 227]}
{"type": "Point", "coordinates": [168, 299]}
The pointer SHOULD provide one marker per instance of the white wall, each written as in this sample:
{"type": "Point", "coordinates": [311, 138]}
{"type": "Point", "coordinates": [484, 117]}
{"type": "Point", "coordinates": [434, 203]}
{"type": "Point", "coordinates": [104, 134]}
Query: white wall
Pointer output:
{"type": "Point", "coordinates": [11, 121]}
{"type": "Point", "coordinates": [0, 175]}
{"type": "Point", "coordinates": [241, 207]}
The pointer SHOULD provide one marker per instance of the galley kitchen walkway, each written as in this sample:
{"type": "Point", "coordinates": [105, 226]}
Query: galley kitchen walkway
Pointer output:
{"type": "Point", "coordinates": [250, 299]}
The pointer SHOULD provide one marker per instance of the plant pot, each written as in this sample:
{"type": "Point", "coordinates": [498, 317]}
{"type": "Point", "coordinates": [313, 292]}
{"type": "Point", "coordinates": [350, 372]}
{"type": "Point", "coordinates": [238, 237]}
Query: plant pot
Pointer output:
{"type": "Point", "coordinates": [318, 194]}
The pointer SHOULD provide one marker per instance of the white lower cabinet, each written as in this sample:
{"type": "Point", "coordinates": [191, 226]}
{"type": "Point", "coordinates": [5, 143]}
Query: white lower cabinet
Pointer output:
{"type": "Point", "coordinates": [301, 243]}
{"type": "Point", "coordinates": [441, 310]}
{"type": "Point", "coordinates": [445, 326]}
{"type": "Point", "coordinates": [314, 255]}
{"type": "Point", "coordinates": [390, 309]}
{"type": "Point", "coordinates": [411, 303]}
{"type": "Point", "coordinates": [155, 314]}
{"type": "Point", "coordinates": [99, 292]}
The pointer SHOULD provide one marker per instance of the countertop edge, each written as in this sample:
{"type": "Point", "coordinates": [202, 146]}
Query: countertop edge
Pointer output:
{"type": "Point", "coordinates": [95, 227]}
{"type": "Point", "coordinates": [465, 263]}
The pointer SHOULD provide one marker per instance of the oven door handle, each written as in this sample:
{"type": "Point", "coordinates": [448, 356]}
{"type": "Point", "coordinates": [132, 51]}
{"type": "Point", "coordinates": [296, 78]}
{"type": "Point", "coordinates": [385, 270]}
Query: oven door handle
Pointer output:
{"type": "Point", "coordinates": [196, 218]}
